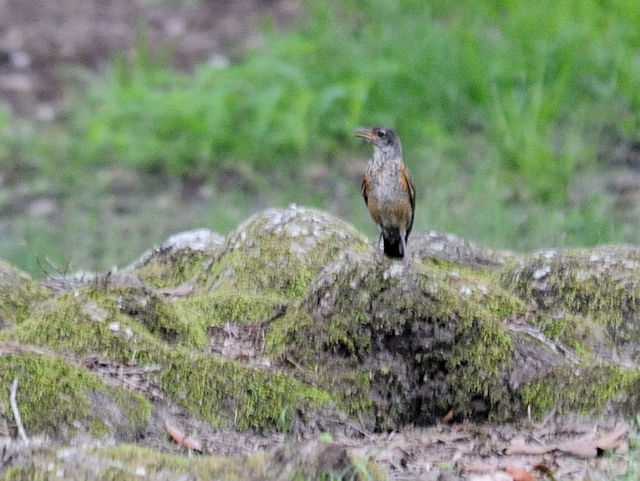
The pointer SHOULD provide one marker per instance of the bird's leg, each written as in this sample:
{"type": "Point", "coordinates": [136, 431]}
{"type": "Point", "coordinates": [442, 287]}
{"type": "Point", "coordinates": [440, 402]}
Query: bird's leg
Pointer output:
{"type": "Point", "coordinates": [380, 241]}
{"type": "Point", "coordinates": [403, 241]}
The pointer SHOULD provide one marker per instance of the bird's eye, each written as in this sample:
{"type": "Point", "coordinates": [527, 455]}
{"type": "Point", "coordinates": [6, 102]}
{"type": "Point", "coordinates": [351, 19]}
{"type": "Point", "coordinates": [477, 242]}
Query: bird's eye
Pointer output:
{"type": "Point", "coordinates": [380, 134]}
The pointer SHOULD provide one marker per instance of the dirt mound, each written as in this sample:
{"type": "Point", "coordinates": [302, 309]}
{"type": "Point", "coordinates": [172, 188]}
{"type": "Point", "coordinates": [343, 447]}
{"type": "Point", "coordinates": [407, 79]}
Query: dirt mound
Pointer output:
{"type": "Point", "coordinates": [296, 324]}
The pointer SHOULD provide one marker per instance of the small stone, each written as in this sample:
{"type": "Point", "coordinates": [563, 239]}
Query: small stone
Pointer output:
{"type": "Point", "coordinates": [114, 326]}
{"type": "Point", "coordinates": [94, 312]}
{"type": "Point", "coordinates": [542, 272]}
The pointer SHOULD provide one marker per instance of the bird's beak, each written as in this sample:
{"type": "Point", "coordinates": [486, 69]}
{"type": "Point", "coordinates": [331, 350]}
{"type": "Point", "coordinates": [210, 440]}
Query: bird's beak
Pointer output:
{"type": "Point", "coordinates": [366, 134]}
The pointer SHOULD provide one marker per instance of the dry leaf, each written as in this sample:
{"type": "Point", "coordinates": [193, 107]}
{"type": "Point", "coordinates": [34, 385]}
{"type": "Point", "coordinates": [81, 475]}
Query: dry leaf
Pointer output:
{"type": "Point", "coordinates": [180, 438]}
{"type": "Point", "coordinates": [519, 474]}
{"type": "Point", "coordinates": [495, 476]}
{"type": "Point", "coordinates": [584, 447]}
{"type": "Point", "coordinates": [479, 467]}
{"type": "Point", "coordinates": [613, 439]}
{"type": "Point", "coordinates": [448, 417]}
{"type": "Point", "coordinates": [524, 448]}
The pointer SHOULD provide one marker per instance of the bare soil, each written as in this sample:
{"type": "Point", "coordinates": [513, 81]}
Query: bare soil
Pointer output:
{"type": "Point", "coordinates": [40, 41]}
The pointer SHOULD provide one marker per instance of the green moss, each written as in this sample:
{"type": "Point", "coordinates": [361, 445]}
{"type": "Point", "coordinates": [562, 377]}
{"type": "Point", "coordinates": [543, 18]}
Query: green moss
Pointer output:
{"type": "Point", "coordinates": [226, 393]}
{"type": "Point", "coordinates": [583, 389]}
{"type": "Point", "coordinates": [221, 391]}
{"type": "Point", "coordinates": [123, 462]}
{"type": "Point", "coordinates": [17, 293]}
{"type": "Point", "coordinates": [172, 267]}
{"type": "Point", "coordinates": [54, 396]}
{"type": "Point", "coordinates": [349, 336]}
{"type": "Point", "coordinates": [272, 269]}
{"type": "Point", "coordinates": [575, 332]}
{"type": "Point", "coordinates": [156, 314]}
{"type": "Point", "coordinates": [202, 467]}
{"type": "Point", "coordinates": [281, 252]}
{"type": "Point", "coordinates": [366, 348]}
{"type": "Point", "coordinates": [215, 307]}
{"type": "Point", "coordinates": [482, 349]}
{"type": "Point", "coordinates": [600, 284]}
{"type": "Point", "coordinates": [79, 323]}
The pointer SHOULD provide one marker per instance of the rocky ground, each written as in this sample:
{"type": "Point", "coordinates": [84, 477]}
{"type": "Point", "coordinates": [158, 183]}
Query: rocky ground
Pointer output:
{"type": "Point", "coordinates": [292, 347]}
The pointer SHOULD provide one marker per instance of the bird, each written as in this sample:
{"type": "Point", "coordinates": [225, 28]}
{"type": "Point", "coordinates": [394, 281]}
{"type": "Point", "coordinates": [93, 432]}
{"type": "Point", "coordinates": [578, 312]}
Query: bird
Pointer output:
{"type": "Point", "coordinates": [388, 190]}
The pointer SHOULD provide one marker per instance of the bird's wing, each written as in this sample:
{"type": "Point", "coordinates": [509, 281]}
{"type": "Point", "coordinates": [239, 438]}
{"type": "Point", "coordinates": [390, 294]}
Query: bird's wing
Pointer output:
{"type": "Point", "coordinates": [408, 180]}
{"type": "Point", "coordinates": [364, 189]}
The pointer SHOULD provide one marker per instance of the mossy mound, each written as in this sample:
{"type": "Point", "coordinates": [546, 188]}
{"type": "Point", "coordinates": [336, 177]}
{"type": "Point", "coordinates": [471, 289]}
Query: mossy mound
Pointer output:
{"type": "Point", "coordinates": [96, 321]}
{"type": "Point", "coordinates": [296, 322]}
{"type": "Point", "coordinates": [402, 345]}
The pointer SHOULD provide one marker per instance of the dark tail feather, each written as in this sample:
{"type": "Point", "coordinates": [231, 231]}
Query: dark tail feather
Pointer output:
{"type": "Point", "coordinates": [392, 243]}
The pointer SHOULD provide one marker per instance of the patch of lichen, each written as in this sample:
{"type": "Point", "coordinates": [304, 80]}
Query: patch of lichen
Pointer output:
{"type": "Point", "coordinates": [17, 293]}
{"type": "Point", "coordinates": [228, 394]}
{"type": "Point", "coordinates": [57, 398]}
{"type": "Point", "coordinates": [584, 389]}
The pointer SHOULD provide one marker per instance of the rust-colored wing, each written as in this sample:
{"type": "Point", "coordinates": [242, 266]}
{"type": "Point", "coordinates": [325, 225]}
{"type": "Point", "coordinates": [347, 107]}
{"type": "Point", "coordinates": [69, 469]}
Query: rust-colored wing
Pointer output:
{"type": "Point", "coordinates": [364, 189]}
{"type": "Point", "coordinates": [407, 179]}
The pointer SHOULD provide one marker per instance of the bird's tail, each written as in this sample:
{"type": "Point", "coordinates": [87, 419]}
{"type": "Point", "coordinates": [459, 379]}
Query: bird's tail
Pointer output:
{"type": "Point", "coordinates": [392, 243]}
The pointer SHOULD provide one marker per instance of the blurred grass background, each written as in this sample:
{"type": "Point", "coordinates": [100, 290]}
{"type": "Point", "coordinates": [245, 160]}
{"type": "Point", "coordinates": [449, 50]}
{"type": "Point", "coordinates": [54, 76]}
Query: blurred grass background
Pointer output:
{"type": "Point", "coordinates": [514, 117]}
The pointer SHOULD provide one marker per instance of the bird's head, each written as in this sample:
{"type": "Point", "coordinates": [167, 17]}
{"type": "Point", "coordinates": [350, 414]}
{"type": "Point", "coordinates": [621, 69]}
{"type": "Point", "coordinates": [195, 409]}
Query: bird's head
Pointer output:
{"type": "Point", "coordinates": [383, 139]}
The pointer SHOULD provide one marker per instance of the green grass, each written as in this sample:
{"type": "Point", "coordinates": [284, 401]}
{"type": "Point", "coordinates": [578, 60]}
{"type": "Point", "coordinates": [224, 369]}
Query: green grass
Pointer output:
{"type": "Point", "coordinates": [506, 109]}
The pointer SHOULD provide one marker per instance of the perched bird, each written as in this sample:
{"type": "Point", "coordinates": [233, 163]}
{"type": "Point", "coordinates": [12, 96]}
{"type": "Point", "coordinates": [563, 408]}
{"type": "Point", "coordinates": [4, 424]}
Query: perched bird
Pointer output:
{"type": "Point", "coordinates": [388, 189]}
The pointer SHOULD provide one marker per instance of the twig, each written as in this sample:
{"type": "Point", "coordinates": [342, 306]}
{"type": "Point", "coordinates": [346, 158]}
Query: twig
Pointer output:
{"type": "Point", "coordinates": [279, 311]}
{"type": "Point", "coordinates": [16, 413]}
{"type": "Point", "coordinates": [538, 335]}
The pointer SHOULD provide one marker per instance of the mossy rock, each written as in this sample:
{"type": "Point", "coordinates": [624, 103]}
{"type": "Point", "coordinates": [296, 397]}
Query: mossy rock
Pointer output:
{"type": "Point", "coordinates": [601, 285]}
